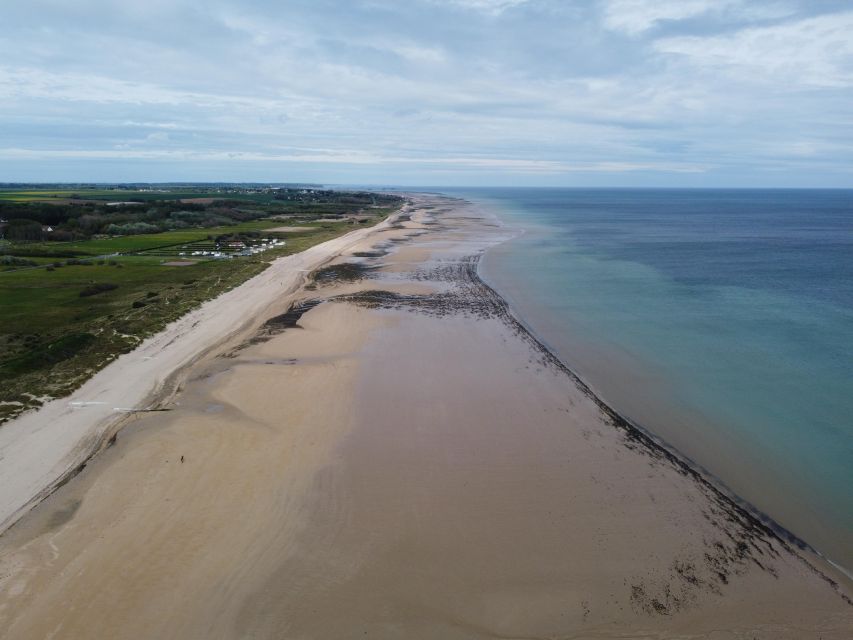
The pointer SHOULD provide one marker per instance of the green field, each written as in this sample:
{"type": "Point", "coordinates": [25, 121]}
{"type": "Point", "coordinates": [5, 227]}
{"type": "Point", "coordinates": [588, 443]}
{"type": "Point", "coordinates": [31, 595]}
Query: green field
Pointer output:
{"type": "Point", "coordinates": [130, 195]}
{"type": "Point", "coordinates": [31, 195]}
{"type": "Point", "coordinates": [108, 195]}
{"type": "Point", "coordinates": [126, 244]}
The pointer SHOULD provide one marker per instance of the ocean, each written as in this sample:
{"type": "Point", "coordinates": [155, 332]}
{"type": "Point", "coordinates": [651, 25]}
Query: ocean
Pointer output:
{"type": "Point", "coordinates": [719, 320]}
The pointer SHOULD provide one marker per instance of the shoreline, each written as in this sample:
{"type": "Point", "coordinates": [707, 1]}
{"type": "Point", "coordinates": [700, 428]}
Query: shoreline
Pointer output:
{"type": "Point", "coordinates": [659, 447]}
{"type": "Point", "coordinates": [749, 388]}
{"type": "Point", "coordinates": [702, 473]}
{"type": "Point", "coordinates": [22, 439]}
{"type": "Point", "coordinates": [395, 450]}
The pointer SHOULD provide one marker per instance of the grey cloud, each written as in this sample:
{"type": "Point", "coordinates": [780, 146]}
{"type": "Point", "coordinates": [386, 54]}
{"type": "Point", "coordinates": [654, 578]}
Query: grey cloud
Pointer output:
{"type": "Point", "coordinates": [536, 91]}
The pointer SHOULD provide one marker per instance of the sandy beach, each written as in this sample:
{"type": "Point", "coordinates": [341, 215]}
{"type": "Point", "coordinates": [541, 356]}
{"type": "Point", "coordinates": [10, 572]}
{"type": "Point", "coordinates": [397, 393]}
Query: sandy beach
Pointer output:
{"type": "Point", "coordinates": [372, 446]}
{"type": "Point", "coordinates": [41, 450]}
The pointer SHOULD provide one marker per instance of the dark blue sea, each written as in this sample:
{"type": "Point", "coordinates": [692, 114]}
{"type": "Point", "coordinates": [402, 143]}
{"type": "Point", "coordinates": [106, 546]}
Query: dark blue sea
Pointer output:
{"type": "Point", "coordinates": [719, 320]}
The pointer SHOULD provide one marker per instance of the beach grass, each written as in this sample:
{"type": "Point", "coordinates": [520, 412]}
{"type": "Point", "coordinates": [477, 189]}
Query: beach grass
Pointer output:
{"type": "Point", "coordinates": [67, 320]}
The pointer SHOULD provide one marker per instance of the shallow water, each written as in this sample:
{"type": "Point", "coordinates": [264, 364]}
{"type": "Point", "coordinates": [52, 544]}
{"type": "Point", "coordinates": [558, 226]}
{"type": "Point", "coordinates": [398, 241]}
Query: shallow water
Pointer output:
{"type": "Point", "coordinates": [720, 320]}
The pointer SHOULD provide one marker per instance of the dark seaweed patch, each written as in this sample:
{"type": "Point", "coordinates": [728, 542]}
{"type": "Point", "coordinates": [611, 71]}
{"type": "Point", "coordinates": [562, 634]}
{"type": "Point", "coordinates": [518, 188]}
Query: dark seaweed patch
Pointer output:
{"type": "Point", "coordinates": [460, 300]}
{"type": "Point", "coordinates": [288, 320]}
{"type": "Point", "coordinates": [278, 324]}
{"type": "Point", "coordinates": [344, 272]}
{"type": "Point", "coordinates": [63, 514]}
{"type": "Point", "coordinates": [748, 538]}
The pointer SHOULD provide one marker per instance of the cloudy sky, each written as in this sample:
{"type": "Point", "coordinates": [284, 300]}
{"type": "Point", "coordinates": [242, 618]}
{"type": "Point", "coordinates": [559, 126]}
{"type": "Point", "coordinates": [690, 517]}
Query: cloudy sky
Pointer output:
{"type": "Point", "coordinates": [429, 92]}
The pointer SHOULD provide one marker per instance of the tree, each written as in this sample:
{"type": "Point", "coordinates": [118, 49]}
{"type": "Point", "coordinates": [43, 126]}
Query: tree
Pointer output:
{"type": "Point", "coordinates": [23, 230]}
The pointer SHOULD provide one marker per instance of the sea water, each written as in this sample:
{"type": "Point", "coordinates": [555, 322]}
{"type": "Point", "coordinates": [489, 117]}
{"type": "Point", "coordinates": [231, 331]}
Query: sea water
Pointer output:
{"type": "Point", "coordinates": [719, 320]}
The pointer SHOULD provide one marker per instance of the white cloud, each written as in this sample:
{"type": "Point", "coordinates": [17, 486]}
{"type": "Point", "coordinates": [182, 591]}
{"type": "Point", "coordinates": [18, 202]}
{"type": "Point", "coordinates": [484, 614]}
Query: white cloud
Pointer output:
{"type": "Point", "coordinates": [636, 16]}
{"type": "Point", "coordinates": [22, 82]}
{"type": "Point", "coordinates": [160, 136]}
{"type": "Point", "coordinates": [414, 52]}
{"type": "Point", "coordinates": [28, 84]}
{"type": "Point", "coordinates": [816, 51]}
{"type": "Point", "coordinates": [493, 7]}
{"type": "Point", "coordinates": [351, 157]}
{"type": "Point", "coordinates": [432, 85]}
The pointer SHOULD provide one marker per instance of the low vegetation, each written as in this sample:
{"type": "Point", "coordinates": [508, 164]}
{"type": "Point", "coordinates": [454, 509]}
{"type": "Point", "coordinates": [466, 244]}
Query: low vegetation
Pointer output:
{"type": "Point", "coordinates": [73, 302]}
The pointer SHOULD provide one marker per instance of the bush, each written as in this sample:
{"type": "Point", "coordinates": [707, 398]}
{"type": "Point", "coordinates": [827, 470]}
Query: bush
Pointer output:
{"type": "Point", "coordinates": [60, 235]}
{"type": "Point", "coordinates": [41, 251]}
{"type": "Point", "coordinates": [98, 287]}
{"type": "Point", "coordinates": [168, 224]}
{"type": "Point", "coordinates": [12, 261]}
{"type": "Point", "coordinates": [45, 355]}
{"type": "Point", "coordinates": [192, 217]}
{"type": "Point", "coordinates": [131, 228]}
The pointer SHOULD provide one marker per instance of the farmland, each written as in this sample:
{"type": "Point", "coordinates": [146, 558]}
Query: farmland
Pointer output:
{"type": "Point", "coordinates": [143, 193]}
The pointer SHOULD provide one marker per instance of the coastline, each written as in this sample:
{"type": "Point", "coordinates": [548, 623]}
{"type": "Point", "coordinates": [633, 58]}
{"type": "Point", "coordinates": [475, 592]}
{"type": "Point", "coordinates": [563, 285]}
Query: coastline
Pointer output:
{"type": "Point", "coordinates": [736, 371]}
{"type": "Point", "coordinates": [657, 446]}
{"type": "Point", "coordinates": [42, 449]}
{"type": "Point", "coordinates": [368, 472]}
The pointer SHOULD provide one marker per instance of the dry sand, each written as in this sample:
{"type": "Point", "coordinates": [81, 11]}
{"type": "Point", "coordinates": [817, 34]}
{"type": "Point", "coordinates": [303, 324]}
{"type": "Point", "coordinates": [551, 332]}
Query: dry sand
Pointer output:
{"type": "Point", "coordinates": [398, 458]}
{"type": "Point", "coordinates": [41, 449]}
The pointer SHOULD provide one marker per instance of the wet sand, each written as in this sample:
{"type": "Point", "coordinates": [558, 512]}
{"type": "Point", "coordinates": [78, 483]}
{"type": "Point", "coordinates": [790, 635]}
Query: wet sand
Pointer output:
{"type": "Point", "coordinates": [396, 457]}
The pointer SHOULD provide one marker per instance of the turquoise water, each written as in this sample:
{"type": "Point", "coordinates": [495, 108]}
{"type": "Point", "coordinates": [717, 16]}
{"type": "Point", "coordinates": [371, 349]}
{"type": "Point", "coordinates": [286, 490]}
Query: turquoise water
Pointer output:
{"type": "Point", "coordinates": [720, 320]}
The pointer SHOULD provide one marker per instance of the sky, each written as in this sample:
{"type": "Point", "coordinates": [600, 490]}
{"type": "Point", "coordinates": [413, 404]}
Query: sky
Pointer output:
{"type": "Point", "coordinates": [681, 93]}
